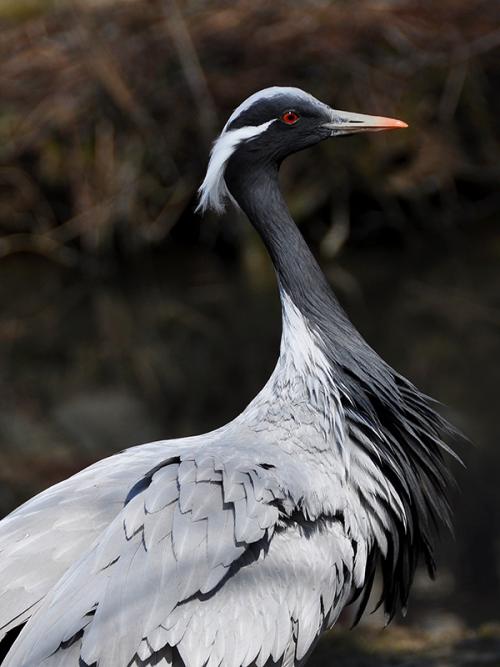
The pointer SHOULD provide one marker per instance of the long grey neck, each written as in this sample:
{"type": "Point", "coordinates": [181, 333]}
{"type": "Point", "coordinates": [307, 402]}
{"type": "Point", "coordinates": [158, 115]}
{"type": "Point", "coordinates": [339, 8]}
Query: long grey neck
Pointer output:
{"type": "Point", "coordinates": [303, 378]}
{"type": "Point", "coordinates": [256, 190]}
{"type": "Point", "coordinates": [300, 277]}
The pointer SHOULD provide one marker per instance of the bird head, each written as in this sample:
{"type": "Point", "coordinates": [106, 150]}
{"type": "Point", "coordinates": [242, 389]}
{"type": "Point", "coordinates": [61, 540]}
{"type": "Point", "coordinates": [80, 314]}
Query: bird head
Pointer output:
{"type": "Point", "coordinates": [272, 124]}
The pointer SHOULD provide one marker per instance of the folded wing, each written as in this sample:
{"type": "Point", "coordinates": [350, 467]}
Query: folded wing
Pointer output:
{"type": "Point", "coordinates": [184, 525]}
{"type": "Point", "coordinates": [43, 537]}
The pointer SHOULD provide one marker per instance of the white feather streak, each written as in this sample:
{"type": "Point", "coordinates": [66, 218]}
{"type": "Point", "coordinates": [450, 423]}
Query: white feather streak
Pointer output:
{"type": "Point", "coordinates": [213, 191]}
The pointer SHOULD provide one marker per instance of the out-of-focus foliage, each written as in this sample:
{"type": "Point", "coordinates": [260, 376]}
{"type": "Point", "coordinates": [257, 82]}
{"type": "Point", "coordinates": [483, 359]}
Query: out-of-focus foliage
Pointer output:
{"type": "Point", "coordinates": [442, 644]}
{"type": "Point", "coordinates": [108, 108]}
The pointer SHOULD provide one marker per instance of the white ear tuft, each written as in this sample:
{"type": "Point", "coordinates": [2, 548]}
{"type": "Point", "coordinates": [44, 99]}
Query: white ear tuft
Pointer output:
{"type": "Point", "coordinates": [213, 191]}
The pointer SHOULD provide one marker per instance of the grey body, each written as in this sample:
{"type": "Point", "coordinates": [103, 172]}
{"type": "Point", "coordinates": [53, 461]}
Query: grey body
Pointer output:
{"type": "Point", "coordinates": [238, 547]}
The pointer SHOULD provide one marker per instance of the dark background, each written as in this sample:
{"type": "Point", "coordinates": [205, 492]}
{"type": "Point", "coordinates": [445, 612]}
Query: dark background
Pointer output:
{"type": "Point", "coordinates": [125, 317]}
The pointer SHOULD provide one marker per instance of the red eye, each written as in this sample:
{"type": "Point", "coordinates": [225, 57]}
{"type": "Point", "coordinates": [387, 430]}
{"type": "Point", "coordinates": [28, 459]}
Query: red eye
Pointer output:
{"type": "Point", "coordinates": [290, 117]}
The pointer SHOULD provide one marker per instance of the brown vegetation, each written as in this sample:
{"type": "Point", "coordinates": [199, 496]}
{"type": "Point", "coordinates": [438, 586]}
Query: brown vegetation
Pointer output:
{"type": "Point", "coordinates": [108, 109]}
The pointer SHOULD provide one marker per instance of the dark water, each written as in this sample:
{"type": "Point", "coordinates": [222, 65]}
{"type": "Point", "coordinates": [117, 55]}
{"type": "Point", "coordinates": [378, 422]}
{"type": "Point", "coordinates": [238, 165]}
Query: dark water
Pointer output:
{"type": "Point", "coordinates": [94, 362]}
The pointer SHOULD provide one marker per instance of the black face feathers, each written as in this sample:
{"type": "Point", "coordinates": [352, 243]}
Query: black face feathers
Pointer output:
{"type": "Point", "coordinates": [265, 109]}
{"type": "Point", "coordinates": [277, 138]}
{"type": "Point", "coordinates": [256, 134]}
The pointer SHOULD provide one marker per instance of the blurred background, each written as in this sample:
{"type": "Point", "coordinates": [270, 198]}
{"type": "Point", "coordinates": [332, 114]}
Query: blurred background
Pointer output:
{"type": "Point", "coordinates": [125, 317]}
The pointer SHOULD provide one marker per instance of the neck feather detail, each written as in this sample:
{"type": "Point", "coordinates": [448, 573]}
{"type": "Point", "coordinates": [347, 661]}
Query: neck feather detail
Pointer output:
{"type": "Point", "coordinates": [379, 417]}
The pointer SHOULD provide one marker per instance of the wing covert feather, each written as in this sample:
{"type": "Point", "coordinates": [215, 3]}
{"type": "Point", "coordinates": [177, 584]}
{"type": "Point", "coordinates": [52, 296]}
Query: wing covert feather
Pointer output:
{"type": "Point", "coordinates": [42, 538]}
{"type": "Point", "coordinates": [205, 548]}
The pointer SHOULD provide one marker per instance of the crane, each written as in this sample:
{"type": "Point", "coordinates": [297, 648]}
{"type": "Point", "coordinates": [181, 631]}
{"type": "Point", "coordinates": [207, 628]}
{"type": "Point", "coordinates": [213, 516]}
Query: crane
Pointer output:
{"type": "Point", "coordinates": [241, 546]}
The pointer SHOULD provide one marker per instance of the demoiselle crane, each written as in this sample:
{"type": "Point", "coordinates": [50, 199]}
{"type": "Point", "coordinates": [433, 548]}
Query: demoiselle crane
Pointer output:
{"type": "Point", "coordinates": [241, 546]}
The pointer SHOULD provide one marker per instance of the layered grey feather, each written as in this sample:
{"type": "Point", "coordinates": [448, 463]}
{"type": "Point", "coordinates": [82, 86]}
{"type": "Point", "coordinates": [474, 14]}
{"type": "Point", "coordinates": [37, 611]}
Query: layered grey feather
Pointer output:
{"type": "Point", "coordinates": [205, 531]}
{"type": "Point", "coordinates": [43, 537]}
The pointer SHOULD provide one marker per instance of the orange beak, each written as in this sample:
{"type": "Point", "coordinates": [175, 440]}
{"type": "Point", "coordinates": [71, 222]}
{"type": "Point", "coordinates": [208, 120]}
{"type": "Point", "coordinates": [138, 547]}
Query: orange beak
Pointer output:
{"type": "Point", "coordinates": [344, 122]}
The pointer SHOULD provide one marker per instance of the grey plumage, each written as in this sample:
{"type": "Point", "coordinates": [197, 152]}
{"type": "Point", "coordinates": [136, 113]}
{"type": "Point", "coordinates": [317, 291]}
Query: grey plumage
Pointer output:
{"type": "Point", "coordinates": [152, 574]}
{"type": "Point", "coordinates": [240, 546]}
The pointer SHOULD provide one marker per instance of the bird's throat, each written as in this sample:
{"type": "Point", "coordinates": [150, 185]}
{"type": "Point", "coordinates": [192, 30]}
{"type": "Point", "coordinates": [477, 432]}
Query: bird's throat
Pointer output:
{"type": "Point", "coordinates": [258, 194]}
